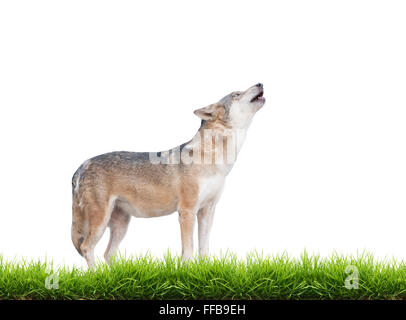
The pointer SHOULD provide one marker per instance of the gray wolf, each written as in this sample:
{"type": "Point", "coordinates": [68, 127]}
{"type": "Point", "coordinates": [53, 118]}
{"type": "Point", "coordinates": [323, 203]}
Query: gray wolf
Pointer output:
{"type": "Point", "coordinates": [111, 188]}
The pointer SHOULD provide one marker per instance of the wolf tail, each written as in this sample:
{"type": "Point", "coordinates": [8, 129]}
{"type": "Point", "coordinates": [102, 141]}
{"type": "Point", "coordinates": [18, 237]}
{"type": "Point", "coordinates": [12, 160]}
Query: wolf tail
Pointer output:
{"type": "Point", "coordinates": [79, 219]}
{"type": "Point", "coordinates": [77, 232]}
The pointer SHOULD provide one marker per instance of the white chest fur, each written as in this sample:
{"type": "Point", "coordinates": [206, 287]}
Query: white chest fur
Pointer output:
{"type": "Point", "coordinates": [210, 189]}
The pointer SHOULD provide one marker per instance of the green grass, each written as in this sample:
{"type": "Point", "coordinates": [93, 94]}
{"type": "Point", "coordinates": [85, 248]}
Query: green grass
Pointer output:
{"type": "Point", "coordinates": [256, 277]}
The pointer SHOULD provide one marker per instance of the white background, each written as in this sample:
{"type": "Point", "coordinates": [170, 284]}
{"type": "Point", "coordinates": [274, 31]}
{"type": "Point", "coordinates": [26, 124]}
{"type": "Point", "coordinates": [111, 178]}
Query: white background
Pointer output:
{"type": "Point", "coordinates": [323, 166]}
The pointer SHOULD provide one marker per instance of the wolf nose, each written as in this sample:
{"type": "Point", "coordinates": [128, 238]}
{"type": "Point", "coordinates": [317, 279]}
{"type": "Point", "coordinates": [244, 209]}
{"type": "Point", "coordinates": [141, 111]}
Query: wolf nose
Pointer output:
{"type": "Point", "coordinates": [259, 85]}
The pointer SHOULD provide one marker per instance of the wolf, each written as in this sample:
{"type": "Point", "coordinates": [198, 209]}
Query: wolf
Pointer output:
{"type": "Point", "coordinates": [111, 188]}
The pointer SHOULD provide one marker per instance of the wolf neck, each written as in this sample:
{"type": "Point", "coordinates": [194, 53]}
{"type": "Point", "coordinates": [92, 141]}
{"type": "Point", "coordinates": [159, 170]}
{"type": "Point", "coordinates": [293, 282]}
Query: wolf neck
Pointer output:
{"type": "Point", "coordinates": [218, 144]}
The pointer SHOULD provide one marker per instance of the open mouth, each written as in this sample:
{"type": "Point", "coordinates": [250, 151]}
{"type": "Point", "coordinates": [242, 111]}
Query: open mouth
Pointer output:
{"type": "Point", "coordinates": [259, 97]}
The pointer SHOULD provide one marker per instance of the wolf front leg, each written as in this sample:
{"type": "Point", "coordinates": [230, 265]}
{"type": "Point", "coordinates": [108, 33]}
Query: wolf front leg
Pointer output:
{"type": "Point", "coordinates": [205, 221]}
{"type": "Point", "coordinates": [187, 219]}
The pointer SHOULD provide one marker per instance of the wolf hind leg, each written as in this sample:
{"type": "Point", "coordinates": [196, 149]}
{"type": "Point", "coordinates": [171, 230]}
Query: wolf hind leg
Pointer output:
{"type": "Point", "coordinates": [118, 225]}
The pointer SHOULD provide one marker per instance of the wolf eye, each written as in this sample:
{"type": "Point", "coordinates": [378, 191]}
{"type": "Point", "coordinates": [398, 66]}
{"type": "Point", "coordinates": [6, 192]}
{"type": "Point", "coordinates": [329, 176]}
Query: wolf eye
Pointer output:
{"type": "Point", "coordinates": [236, 94]}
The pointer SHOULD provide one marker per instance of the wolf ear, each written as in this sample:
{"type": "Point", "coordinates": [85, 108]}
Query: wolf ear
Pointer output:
{"type": "Point", "coordinates": [210, 112]}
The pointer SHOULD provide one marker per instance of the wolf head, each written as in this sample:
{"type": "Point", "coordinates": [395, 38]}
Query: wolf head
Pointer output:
{"type": "Point", "coordinates": [236, 109]}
